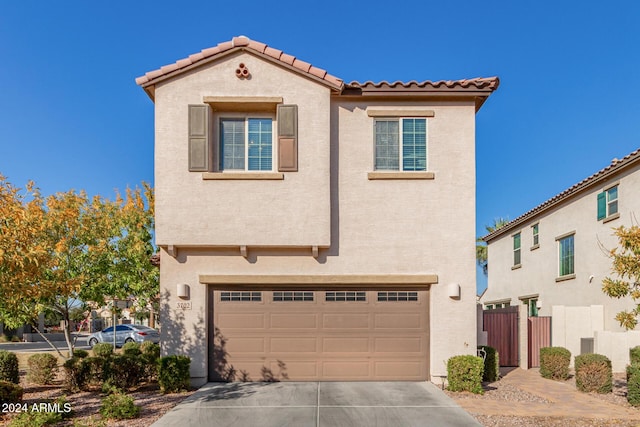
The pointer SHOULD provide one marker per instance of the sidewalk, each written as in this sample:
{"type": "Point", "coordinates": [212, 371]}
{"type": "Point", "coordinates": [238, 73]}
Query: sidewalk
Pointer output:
{"type": "Point", "coordinates": [564, 401]}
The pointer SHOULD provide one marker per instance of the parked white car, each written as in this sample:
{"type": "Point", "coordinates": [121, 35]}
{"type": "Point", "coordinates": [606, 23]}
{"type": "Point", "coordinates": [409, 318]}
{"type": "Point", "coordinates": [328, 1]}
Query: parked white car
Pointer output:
{"type": "Point", "coordinates": [124, 334]}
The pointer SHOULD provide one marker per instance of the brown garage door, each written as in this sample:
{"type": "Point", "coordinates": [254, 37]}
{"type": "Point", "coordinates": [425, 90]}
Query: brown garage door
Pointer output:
{"type": "Point", "coordinates": [332, 335]}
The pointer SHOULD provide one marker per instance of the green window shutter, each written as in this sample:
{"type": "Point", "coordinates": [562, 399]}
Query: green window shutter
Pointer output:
{"type": "Point", "coordinates": [287, 138]}
{"type": "Point", "coordinates": [602, 205]}
{"type": "Point", "coordinates": [199, 138]}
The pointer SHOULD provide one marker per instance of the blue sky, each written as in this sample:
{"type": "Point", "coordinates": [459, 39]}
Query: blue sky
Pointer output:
{"type": "Point", "coordinates": [71, 115]}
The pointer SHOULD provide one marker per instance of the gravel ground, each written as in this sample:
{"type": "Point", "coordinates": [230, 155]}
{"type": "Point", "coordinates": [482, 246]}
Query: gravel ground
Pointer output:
{"type": "Point", "coordinates": [86, 405]}
{"type": "Point", "coordinates": [504, 391]}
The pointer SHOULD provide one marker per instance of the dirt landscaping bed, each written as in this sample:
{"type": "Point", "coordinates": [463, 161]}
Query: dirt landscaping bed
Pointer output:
{"type": "Point", "coordinates": [508, 394]}
{"type": "Point", "coordinates": [86, 405]}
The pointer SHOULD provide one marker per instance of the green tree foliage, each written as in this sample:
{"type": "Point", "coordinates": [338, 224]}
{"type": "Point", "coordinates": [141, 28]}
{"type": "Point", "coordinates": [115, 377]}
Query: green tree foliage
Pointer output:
{"type": "Point", "coordinates": [626, 266]}
{"type": "Point", "coordinates": [66, 249]}
{"type": "Point", "coordinates": [481, 246]}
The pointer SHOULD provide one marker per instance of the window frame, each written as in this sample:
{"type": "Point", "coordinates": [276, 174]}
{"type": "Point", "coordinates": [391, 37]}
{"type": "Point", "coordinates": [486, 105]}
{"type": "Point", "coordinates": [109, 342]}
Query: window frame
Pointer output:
{"type": "Point", "coordinates": [343, 296]}
{"type": "Point", "coordinates": [401, 144]}
{"type": "Point", "coordinates": [293, 296]}
{"type": "Point", "coordinates": [239, 296]}
{"type": "Point", "coordinates": [609, 202]}
{"type": "Point", "coordinates": [397, 296]}
{"type": "Point", "coordinates": [517, 251]}
{"type": "Point", "coordinates": [562, 274]}
{"type": "Point", "coordinates": [245, 117]}
{"type": "Point", "coordinates": [535, 235]}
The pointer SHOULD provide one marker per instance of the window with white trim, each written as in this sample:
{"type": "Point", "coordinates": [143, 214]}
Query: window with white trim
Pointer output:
{"type": "Point", "coordinates": [246, 144]}
{"type": "Point", "coordinates": [346, 296]}
{"type": "Point", "coordinates": [608, 202]}
{"type": "Point", "coordinates": [535, 229]}
{"type": "Point", "coordinates": [397, 296]}
{"type": "Point", "coordinates": [293, 296]}
{"type": "Point", "coordinates": [401, 144]}
{"type": "Point", "coordinates": [242, 296]}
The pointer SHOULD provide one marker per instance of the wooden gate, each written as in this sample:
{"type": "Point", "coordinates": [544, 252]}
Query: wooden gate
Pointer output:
{"type": "Point", "coordinates": [501, 325]}
{"type": "Point", "coordinates": [539, 333]}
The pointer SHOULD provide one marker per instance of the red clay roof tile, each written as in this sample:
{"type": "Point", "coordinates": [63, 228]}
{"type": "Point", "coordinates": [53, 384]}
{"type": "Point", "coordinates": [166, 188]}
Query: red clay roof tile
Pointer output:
{"type": "Point", "coordinates": [244, 43]}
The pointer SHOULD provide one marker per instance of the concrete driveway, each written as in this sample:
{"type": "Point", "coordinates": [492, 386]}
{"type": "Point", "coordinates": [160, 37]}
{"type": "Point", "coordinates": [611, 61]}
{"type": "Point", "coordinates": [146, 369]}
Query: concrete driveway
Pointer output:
{"type": "Point", "coordinates": [318, 404]}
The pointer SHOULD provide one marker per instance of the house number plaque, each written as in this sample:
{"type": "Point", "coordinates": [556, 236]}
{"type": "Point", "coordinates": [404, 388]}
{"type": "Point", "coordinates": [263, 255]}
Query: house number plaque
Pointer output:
{"type": "Point", "coordinates": [183, 305]}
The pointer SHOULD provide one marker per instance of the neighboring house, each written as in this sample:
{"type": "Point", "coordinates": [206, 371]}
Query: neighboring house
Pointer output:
{"type": "Point", "coordinates": [312, 229]}
{"type": "Point", "coordinates": [551, 261]}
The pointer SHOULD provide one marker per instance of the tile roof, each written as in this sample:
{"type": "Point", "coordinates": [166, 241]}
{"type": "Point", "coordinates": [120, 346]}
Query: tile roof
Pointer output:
{"type": "Point", "coordinates": [240, 43]}
{"type": "Point", "coordinates": [487, 83]}
{"type": "Point", "coordinates": [483, 85]}
{"type": "Point", "coordinates": [615, 166]}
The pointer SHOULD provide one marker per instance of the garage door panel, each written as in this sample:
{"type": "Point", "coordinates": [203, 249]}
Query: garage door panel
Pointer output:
{"type": "Point", "coordinates": [243, 345]}
{"type": "Point", "coordinates": [241, 321]}
{"type": "Point", "coordinates": [397, 321]}
{"type": "Point", "coordinates": [295, 369]}
{"type": "Point", "coordinates": [348, 369]}
{"type": "Point", "coordinates": [325, 340]}
{"type": "Point", "coordinates": [293, 321]}
{"type": "Point", "coordinates": [293, 344]}
{"type": "Point", "coordinates": [348, 321]}
{"type": "Point", "coordinates": [345, 345]}
{"type": "Point", "coordinates": [398, 369]}
{"type": "Point", "coordinates": [404, 345]}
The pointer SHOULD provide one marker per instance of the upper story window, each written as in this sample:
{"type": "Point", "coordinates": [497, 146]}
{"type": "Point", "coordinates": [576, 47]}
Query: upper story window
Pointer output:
{"type": "Point", "coordinates": [516, 250]}
{"type": "Point", "coordinates": [608, 203]}
{"type": "Point", "coordinates": [566, 255]}
{"type": "Point", "coordinates": [401, 144]}
{"type": "Point", "coordinates": [246, 144]}
{"type": "Point", "coordinates": [535, 231]}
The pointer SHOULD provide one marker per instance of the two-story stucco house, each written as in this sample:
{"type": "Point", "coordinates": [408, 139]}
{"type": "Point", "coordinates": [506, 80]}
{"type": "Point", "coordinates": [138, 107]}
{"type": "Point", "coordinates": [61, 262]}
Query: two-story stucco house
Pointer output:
{"type": "Point", "coordinates": [312, 229]}
{"type": "Point", "coordinates": [551, 261]}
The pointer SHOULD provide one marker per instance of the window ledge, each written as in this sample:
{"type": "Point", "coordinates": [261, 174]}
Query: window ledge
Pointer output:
{"type": "Point", "coordinates": [534, 247]}
{"type": "Point", "coordinates": [242, 176]}
{"type": "Point", "coordinates": [517, 266]}
{"type": "Point", "coordinates": [611, 217]}
{"type": "Point", "coordinates": [400, 175]}
{"type": "Point", "coordinates": [565, 277]}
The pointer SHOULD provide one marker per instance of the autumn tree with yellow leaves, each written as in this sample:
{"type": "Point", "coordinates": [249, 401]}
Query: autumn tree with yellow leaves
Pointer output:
{"type": "Point", "coordinates": [58, 251]}
{"type": "Point", "coordinates": [626, 266]}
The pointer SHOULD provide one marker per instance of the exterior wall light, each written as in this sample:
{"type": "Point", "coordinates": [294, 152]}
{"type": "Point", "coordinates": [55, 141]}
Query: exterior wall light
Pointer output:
{"type": "Point", "coordinates": [454, 291]}
{"type": "Point", "coordinates": [183, 290]}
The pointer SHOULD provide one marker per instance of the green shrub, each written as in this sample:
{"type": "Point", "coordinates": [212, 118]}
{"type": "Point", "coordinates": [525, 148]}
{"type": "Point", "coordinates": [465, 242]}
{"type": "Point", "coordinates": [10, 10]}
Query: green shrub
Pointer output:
{"type": "Point", "coordinates": [150, 348]}
{"type": "Point", "coordinates": [554, 362]}
{"type": "Point", "coordinates": [44, 417]}
{"type": "Point", "coordinates": [80, 353]}
{"type": "Point", "coordinates": [92, 369]}
{"type": "Point", "coordinates": [633, 384]}
{"type": "Point", "coordinates": [150, 356]}
{"type": "Point", "coordinates": [593, 373]}
{"type": "Point", "coordinates": [131, 349]}
{"type": "Point", "coordinates": [103, 349]}
{"type": "Point", "coordinates": [74, 374]}
{"type": "Point", "coordinates": [43, 368]}
{"type": "Point", "coordinates": [634, 355]}
{"type": "Point", "coordinates": [35, 419]}
{"type": "Point", "coordinates": [10, 392]}
{"type": "Point", "coordinates": [123, 371]}
{"type": "Point", "coordinates": [465, 374]}
{"type": "Point", "coordinates": [173, 373]}
{"type": "Point", "coordinates": [491, 364]}
{"type": "Point", "coordinates": [119, 406]}
{"type": "Point", "coordinates": [9, 367]}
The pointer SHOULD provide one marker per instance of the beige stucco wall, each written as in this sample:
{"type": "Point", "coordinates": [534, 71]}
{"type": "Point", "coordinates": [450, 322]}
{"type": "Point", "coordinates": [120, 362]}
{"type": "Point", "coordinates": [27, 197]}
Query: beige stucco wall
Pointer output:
{"type": "Point", "coordinates": [193, 211]}
{"type": "Point", "coordinates": [371, 226]}
{"type": "Point", "coordinates": [540, 266]}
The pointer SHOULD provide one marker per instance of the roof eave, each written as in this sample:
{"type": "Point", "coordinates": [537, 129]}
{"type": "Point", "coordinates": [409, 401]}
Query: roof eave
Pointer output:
{"type": "Point", "coordinates": [586, 184]}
